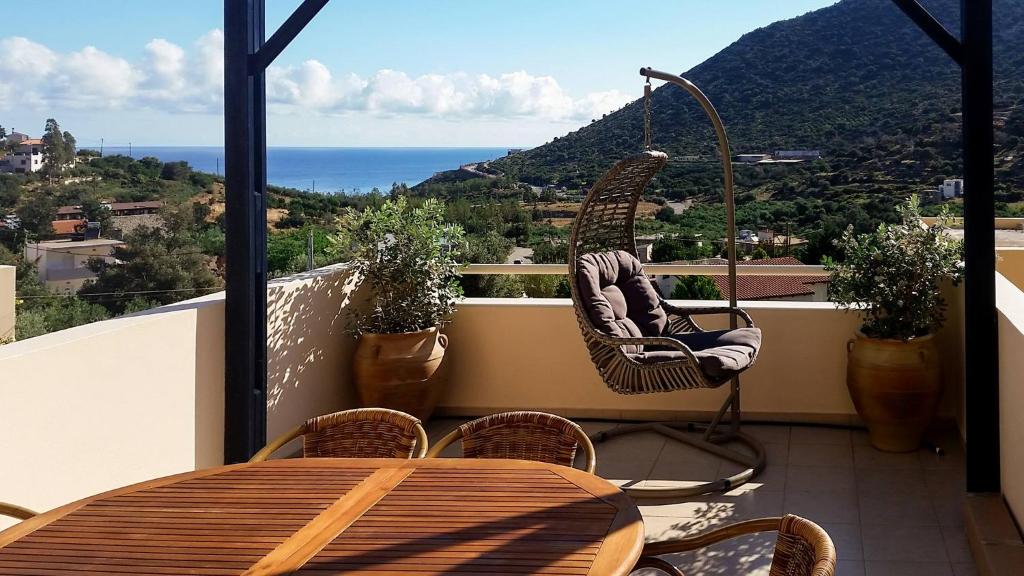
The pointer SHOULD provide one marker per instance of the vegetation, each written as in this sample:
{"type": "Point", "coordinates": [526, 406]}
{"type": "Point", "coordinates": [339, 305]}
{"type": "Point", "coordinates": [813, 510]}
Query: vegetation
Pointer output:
{"type": "Point", "coordinates": [856, 80]}
{"type": "Point", "coordinates": [891, 277]}
{"type": "Point", "coordinates": [407, 254]}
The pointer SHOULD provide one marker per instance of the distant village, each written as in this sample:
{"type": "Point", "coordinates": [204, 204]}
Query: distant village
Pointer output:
{"type": "Point", "coordinates": [62, 259]}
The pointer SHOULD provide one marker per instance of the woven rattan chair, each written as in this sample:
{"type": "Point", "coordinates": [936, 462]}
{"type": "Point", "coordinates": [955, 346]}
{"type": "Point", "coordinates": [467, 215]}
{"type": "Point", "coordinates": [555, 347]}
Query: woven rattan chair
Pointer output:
{"type": "Point", "coordinates": [533, 436]}
{"type": "Point", "coordinates": [360, 433]}
{"type": "Point", "coordinates": [802, 548]}
{"type": "Point", "coordinates": [640, 343]}
{"type": "Point", "coordinates": [15, 511]}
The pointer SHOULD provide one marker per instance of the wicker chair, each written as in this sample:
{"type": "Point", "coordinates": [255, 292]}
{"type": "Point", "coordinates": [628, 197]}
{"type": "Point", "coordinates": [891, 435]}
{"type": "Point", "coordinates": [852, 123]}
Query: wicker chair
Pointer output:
{"type": "Point", "coordinates": [15, 511]}
{"type": "Point", "coordinates": [533, 436]}
{"type": "Point", "coordinates": [361, 433]}
{"type": "Point", "coordinates": [638, 342]}
{"type": "Point", "coordinates": [801, 549]}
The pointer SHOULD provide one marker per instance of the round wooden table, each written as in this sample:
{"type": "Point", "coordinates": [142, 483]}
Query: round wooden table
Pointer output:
{"type": "Point", "coordinates": [341, 516]}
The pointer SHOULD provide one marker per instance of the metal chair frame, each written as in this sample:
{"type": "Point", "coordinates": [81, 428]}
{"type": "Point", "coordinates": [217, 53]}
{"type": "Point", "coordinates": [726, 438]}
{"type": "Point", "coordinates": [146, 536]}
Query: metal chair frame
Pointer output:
{"type": "Point", "coordinates": [606, 221]}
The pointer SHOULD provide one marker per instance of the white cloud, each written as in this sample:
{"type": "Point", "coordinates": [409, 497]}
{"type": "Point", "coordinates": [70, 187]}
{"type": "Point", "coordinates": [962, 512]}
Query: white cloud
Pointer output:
{"type": "Point", "coordinates": [172, 79]}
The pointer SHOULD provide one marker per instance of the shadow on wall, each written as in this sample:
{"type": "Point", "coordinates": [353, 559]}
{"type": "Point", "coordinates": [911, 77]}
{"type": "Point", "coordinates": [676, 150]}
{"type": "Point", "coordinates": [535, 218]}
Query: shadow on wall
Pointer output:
{"type": "Point", "coordinates": [309, 352]}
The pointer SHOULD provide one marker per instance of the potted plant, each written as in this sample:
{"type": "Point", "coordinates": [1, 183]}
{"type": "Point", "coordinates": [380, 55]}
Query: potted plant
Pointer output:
{"type": "Point", "coordinates": [892, 277]}
{"type": "Point", "coordinates": [406, 255]}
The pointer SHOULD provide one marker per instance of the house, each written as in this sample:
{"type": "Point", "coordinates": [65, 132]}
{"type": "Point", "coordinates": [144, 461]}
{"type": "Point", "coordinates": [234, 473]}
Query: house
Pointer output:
{"type": "Point", "coordinates": [766, 239]}
{"type": "Point", "coordinates": [752, 158]}
{"type": "Point", "coordinates": [804, 155]}
{"type": "Point", "coordinates": [63, 264]}
{"type": "Point", "coordinates": [758, 287]}
{"type": "Point", "coordinates": [125, 216]}
{"type": "Point", "coordinates": [26, 156]}
{"type": "Point", "coordinates": [953, 188]}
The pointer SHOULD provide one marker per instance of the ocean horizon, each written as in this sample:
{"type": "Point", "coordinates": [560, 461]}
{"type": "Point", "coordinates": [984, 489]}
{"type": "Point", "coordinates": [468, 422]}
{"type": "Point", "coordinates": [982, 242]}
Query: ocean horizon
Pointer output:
{"type": "Point", "coordinates": [328, 170]}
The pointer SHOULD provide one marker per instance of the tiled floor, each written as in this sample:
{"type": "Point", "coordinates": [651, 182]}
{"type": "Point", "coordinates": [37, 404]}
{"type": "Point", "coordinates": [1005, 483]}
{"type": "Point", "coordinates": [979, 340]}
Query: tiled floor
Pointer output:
{"type": "Point", "coordinates": [888, 514]}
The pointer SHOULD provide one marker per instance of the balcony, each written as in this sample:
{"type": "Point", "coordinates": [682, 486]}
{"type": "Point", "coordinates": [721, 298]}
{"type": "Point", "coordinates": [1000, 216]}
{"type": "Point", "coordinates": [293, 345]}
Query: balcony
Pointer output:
{"type": "Point", "coordinates": [144, 397]}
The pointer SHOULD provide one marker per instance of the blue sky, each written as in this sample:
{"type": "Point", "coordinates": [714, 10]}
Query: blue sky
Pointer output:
{"type": "Point", "coordinates": [398, 73]}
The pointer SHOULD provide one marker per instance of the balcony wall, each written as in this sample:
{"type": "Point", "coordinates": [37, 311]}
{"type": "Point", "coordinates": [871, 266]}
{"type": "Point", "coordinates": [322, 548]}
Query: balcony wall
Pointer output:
{"type": "Point", "coordinates": [116, 402]}
{"type": "Point", "coordinates": [508, 354]}
{"type": "Point", "coordinates": [1010, 301]}
{"type": "Point", "coordinates": [6, 303]}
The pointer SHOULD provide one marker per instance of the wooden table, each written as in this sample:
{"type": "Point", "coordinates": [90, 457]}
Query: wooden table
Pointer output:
{"type": "Point", "coordinates": [341, 516]}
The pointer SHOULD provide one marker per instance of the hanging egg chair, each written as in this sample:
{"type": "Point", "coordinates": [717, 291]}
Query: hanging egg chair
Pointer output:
{"type": "Point", "coordinates": [640, 343]}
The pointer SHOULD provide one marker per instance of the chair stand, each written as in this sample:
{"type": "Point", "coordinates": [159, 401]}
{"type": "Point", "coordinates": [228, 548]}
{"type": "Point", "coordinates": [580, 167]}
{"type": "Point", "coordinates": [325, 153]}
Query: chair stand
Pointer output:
{"type": "Point", "coordinates": [711, 441]}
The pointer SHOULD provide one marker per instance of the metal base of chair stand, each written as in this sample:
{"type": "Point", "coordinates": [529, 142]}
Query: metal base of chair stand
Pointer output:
{"type": "Point", "coordinates": [710, 441]}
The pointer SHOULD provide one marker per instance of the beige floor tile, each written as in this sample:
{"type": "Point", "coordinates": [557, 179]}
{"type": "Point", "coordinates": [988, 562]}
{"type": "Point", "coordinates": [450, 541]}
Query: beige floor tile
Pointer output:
{"type": "Point", "coordinates": [870, 457]}
{"type": "Point", "coordinates": [897, 509]}
{"type": "Point", "coordinates": [903, 544]}
{"type": "Point", "coordinates": [846, 538]}
{"type": "Point", "coordinates": [823, 507]}
{"type": "Point", "coordinates": [860, 437]}
{"type": "Point", "coordinates": [629, 457]}
{"type": "Point", "coordinates": [890, 480]}
{"type": "Point", "coordinates": [952, 457]}
{"type": "Point", "coordinates": [820, 435]}
{"type": "Point", "coordinates": [957, 548]}
{"type": "Point", "coordinates": [820, 479]}
{"type": "Point", "coordinates": [964, 569]}
{"type": "Point", "coordinates": [769, 433]}
{"type": "Point", "coordinates": [680, 462]}
{"type": "Point", "coordinates": [820, 455]}
{"type": "Point", "coordinates": [908, 569]}
{"type": "Point", "coordinates": [745, 555]}
{"type": "Point", "coordinates": [849, 568]}
{"type": "Point", "coordinates": [773, 477]}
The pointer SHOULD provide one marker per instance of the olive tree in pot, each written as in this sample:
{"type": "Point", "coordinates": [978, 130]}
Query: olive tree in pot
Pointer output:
{"type": "Point", "coordinates": [892, 278]}
{"type": "Point", "coordinates": [407, 256]}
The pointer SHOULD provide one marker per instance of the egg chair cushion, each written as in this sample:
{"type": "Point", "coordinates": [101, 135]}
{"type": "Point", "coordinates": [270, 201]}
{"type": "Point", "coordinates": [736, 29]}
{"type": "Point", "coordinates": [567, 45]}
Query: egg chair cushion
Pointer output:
{"type": "Point", "coordinates": [618, 297]}
{"type": "Point", "coordinates": [721, 353]}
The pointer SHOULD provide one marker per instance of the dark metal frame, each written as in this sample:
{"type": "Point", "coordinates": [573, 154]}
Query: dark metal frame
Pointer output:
{"type": "Point", "coordinates": [246, 57]}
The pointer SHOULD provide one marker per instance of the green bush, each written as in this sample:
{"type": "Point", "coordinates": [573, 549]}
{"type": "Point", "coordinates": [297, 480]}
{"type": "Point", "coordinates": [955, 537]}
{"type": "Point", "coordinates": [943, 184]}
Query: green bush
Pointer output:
{"type": "Point", "coordinates": [409, 257]}
{"type": "Point", "coordinates": [891, 276]}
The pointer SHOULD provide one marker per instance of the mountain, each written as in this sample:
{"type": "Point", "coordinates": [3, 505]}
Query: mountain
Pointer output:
{"type": "Point", "coordinates": [856, 80]}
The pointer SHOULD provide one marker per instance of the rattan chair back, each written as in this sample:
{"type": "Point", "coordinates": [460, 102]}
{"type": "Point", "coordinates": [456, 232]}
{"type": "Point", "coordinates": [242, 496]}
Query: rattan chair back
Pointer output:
{"type": "Point", "coordinates": [359, 433]}
{"type": "Point", "coordinates": [802, 548]}
{"type": "Point", "coordinates": [536, 436]}
{"type": "Point", "coordinates": [15, 511]}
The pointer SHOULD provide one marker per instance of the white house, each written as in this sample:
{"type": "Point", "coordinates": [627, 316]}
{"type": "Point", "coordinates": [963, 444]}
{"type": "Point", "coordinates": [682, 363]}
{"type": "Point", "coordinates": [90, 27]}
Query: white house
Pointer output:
{"type": "Point", "coordinates": [797, 154]}
{"type": "Point", "coordinates": [27, 156]}
{"type": "Point", "coordinates": [951, 189]}
{"type": "Point", "coordinates": [63, 264]}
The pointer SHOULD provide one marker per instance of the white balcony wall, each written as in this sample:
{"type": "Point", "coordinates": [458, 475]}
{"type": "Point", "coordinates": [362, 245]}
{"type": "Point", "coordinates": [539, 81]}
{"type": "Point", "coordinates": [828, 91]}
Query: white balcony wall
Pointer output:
{"type": "Point", "coordinates": [7, 303]}
{"type": "Point", "coordinates": [508, 354]}
{"type": "Point", "coordinates": [1010, 302]}
{"type": "Point", "coordinates": [112, 403]}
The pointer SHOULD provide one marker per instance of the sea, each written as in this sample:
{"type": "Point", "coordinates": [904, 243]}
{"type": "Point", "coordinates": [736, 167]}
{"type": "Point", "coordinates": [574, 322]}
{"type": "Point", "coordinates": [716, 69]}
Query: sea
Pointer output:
{"type": "Point", "coordinates": [329, 170]}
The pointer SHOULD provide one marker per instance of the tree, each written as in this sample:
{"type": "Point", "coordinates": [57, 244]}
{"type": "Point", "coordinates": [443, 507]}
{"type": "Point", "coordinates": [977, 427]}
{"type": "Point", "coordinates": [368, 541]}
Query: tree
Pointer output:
{"type": "Point", "coordinates": [70, 147]}
{"type": "Point", "coordinates": [162, 265]}
{"type": "Point", "coordinates": [759, 254]}
{"type": "Point", "coordinates": [696, 288]}
{"type": "Point", "coordinates": [93, 211]}
{"type": "Point", "coordinates": [175, 171]}
{"type": "Point", "coordinates": [3, 132]}
{"type": "Point", "coordinates": [37, 214]}
{"type": "Point", "coordinates": [55, 150]}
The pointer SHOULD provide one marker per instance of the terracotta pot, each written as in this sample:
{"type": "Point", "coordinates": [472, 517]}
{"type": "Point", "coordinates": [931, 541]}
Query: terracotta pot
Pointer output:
{"type": "Point", "coordinates": [895, 386]}
{"type": "Point", "coordinates": [397, 371]}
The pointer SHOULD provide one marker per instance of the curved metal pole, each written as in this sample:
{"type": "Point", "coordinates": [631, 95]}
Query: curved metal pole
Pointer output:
{"type": "Point", "coordinates": [723, 147]}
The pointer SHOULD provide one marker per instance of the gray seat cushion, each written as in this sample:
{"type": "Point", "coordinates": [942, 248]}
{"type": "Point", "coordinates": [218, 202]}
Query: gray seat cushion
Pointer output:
{"type": "Point", "coordinates": [621, 302]}
{"type": "Point", "coordinates": [721, 353]}
{"type": "Point", "coordinates": [618, 296]}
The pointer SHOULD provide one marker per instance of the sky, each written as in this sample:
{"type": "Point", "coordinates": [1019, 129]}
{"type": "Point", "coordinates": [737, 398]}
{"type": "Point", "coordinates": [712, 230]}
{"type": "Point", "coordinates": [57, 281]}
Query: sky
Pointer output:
{"type": "Point", "coordinates": [363, 73]}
